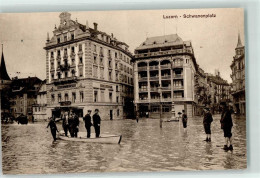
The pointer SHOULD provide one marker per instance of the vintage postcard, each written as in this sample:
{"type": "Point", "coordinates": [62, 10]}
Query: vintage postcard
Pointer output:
{"type": "Point", "coordinates": [123, 91]}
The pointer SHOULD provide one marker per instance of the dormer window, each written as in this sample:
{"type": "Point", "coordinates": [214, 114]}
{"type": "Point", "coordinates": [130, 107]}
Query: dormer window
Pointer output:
{"type": "Point", "coordinates": [154, 42]}
{"type": "Point", "coordinates": [165, 41]}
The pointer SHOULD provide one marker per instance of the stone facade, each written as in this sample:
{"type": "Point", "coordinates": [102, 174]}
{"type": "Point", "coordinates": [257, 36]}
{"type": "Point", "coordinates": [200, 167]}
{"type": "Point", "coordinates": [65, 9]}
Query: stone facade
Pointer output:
{"type": "Point", "coordinates": [39, 109]}
{"type": "Point", "coordinates": [168, 62]}
{"type": "Point", "coordinates": [87, 69]}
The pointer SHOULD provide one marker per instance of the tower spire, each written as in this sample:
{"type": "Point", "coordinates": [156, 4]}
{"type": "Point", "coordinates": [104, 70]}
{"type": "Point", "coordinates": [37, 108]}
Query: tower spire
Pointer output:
{"type": "Point", "coordinates": [3, 73]}
{"type": "Point", "coordinates": [239, 44]}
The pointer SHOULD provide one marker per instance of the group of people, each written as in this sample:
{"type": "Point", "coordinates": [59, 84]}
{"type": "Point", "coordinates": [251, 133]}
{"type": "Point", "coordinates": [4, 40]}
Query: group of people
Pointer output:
{"type": "Point", "coordinates": [70, 123]}
{"type": "Point", "coordinates": [225, 121]}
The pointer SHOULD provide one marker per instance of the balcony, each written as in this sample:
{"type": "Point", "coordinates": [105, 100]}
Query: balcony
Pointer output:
{"type": "Point", "coordinates": [178, 87]}
{"type": "Point", "coordinates": [155, 100]}
{"type": "Point", "coordinates": [143, 100]}
{"type": "Point", "coordinates": [65, 80]}
{"type": "Point", "coordinates": [166, 77]}
{"type": "Point", "coordinates": [153, 89]}
{"type": "Point", "coordinates": [166, 66]}
{"type": "Point", "coordinates": [169, 99]}
{"type": "Point", "coordinates": [166, 88]}
{"type": "Point", "coordinates": [142, 68]}
{"type": "Point", "coordinates": [177, 76]}
{"type": "Point", "coordinates": [142, 90]}
{"type": "Point", "coordinates": [142, 78]}
{"type": "Point", "coordinates": [64, 67]}
{"type": "Point", "coordinates": [58, 57]}
{"type": "Point", "coordinates": [168, 52]}
{"type": "Point", "coordinates": [154, 78]}
{"type": "Point", "coordinates": [178, 99]}
{"type": "Point", "coordinates": [72, 54]}
{"type": "Point", "coordinates": [177, 65]}
{"type": "Point", "coordinates": [153, 67]}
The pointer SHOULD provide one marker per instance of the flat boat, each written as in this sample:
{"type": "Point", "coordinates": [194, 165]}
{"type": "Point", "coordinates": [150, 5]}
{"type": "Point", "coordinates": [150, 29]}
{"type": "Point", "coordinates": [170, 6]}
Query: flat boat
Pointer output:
{"type": "Point", "coordinates": [82, 137]}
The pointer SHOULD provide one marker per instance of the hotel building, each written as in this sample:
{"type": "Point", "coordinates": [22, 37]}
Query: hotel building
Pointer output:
{"type": "Point", "coordinates": [168, 62]}
{"type": "Point", "coordinates": [87, 69]}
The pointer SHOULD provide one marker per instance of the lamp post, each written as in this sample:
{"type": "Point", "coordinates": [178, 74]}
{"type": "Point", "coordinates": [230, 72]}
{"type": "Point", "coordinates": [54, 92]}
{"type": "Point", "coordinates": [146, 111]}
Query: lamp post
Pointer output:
{"type": "Point", "coordinates": [160, 91]}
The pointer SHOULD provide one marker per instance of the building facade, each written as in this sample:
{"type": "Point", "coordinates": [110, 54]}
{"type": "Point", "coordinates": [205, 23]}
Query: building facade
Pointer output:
{"type": "Point", "coordinates": [87, 69]}
{"type": "Point", "coordinates": [39, 109]}
{"type": "Point", "coordinates": [238, 79]}
{"type": "Point", "coordinates": [24, 96]}
{"type": "Point", "coordinates": [168, 62]}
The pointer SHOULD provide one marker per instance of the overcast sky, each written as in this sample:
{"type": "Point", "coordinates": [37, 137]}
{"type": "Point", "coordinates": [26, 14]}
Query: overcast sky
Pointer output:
{"type": "Point", "coordinates": [213, 39]}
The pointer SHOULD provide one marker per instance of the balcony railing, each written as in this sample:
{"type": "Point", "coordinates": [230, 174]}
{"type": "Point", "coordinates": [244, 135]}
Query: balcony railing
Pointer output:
{"type": "Point", "coordinates": [65, 80]}
{"type": "Point", "coordinates": [178, 99]}
{"type": "Point", "coordinates": [165, 66]}
{"type": "Point", "coordinates": [154, 78]}
{"type": "Point", "coordinates": [176, 51]}
{"type": "Point", "coordinates": [142, 78]}
{"type": "Point", "coordinates": [178, 87]}
{"type": "Point", "coordinates": [166, 88]}
{"type": "Point", "coordinates": [143, 90]}
{"type": "Point", "coordinates": [166, 99]}
{"type": "Point", "coordinates": [142, 68]}
{"type": "Point", "coordinates": [177, 76]}
{"type": "Point", "coordinates": [166, 77]}
{"type": "Point", "coordinates": [153, 67]}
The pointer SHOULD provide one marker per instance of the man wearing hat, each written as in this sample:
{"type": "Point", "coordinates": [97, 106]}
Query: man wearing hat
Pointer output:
{"type": "Point", "coordinates": [207, 122]}
{"type": "Point", "coordinates": [226, 125]}
{"type": "Point", "coordinates": [96, 122]}
{"type": "Point", "coordinates": [88, 124]}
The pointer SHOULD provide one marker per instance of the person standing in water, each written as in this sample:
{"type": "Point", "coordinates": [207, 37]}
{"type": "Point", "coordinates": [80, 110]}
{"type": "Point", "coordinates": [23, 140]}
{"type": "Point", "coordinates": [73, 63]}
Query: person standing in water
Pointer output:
{"type": "Point", "coordinates": [184, 120]}
{"type": "Point", "coordinates": [207, 123]}
{"type": "Point", "coordinates": [53, 128]}
{"type": "Point", "coordinates": [226, 125]}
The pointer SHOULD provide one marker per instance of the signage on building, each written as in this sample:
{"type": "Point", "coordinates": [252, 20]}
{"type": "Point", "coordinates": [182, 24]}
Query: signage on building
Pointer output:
{"type": "Point", "coordinates": [65, 103]}
{"type": "Point", "coordinates": [66, 86]}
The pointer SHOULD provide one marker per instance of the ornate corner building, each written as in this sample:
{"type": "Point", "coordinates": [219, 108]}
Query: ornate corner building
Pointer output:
{"type": "Point", "coordinates": [87, 69]}
{"type": "Point", "coordinates": [238, 79]}
{"type": "Point", "coordinates": [168, 62]}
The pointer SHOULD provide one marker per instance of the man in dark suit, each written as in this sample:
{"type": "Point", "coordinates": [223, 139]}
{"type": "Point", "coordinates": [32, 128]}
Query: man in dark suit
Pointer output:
{"type": "Point", "coordinates": [88, 123]}
{"type": "Point", "coordinates": [97, 122]}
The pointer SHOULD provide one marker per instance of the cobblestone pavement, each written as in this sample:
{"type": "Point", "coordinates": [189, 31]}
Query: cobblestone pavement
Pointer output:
{"type": "Point", "coordinates": [145, 147]}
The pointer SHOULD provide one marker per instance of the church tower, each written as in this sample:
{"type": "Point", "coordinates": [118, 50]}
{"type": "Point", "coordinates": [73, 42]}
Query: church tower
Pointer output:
{"type": "Point", "coordinates": [4, 77]}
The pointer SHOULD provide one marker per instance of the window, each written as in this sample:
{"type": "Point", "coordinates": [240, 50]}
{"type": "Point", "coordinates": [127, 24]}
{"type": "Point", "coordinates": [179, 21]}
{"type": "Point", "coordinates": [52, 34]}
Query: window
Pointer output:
{"type": "Point", "coordinates": [65, 37]}
{"type": "Point", "coordinates": [95, 96]}
{"type": "Point", "coordinates": [102, 95]}
{"type": "Point", "coordinates": [52, 65]}
{"type": "Point", "coordinates": [115, 54]}
{"type": "Point", "coordinates": [59, 97]}
{"type": "Point", "coordinates": [118, 112]}
{"type": "Point", "coordinates": [52, 54]}
{"type": "Point", "coordinates": [66, 74]}
{"type": "Point", "coordinates": [58, 40]}
{"type": "Point", "coordinates": [110, 96]}
{"type": "Point", "coordinates": [95, 60]}
{"type": "Point", "coordinates": [117, 88]}
{"type": "Point", "coordinates": [117, 99]}
{"type": "Point", "coordinates": [72, 49]}
{"type": "Point", "coordinates": [73, 73]}
{"type": "Point", "coordinates": [59, 75]}
{"type": "Point", "coordinates": [72, 36]}
{"type": "Point", "coordinates": [80, 71]}
{"type": "Point", "coordinates": [52, 76]}
{"type": "Point", "coordinates": [73, 97]}
{"type": "Point", "coordinates": [110, 75]}
{"type": "Point", "coordinates": [109, 64]}
{"type": "Point", "coordinates": [80, 60]}
{"type": "Point", "coordinates": [95, 48]}
{"type": "Point", "coordinates": [81, 96]}
{"type": "Point", "coordinates": [66, 97]}
{"type": "Point", "coordinates": [80, 47]}
{"type": "Point", "coordinates": [101, 61]}
{"type": "Point", "coordinates": [52, 98]}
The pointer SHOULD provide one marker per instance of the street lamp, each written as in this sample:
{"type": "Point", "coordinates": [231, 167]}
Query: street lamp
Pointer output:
{"type": "Point", "coordinates": [160, 92]}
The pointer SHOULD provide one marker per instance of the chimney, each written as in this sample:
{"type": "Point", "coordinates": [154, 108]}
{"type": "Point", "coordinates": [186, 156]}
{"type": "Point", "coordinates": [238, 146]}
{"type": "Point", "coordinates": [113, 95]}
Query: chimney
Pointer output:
{"type": "Point", "coordinates": [95, 26]}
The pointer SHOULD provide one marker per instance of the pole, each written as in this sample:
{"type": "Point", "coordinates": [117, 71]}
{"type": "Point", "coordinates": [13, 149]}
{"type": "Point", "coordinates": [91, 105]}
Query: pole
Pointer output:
{"type": "Point", "coordinates": [161, 111]}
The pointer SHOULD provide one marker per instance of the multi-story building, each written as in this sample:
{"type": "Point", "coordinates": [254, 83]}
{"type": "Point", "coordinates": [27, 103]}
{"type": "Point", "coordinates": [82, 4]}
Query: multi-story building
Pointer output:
{"type": "Point", "coordinates": [87, 69]}
{"type": "Point", "coordinates": [219, 91]}
{"type": "Point", "coordinates": [168, 62]}
{"type": "Point", "coordinates": [24, 95]}
{"type": "Point", "coordinates": [39, 109]}
{"type": "Point", "coordinates": [201, 91]}
{"type": "Point", "coordinates": [238, 79]}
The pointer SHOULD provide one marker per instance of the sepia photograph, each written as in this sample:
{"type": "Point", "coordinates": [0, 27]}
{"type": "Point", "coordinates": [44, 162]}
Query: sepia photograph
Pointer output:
{"type": "Point", "coordinates": [123, 91]}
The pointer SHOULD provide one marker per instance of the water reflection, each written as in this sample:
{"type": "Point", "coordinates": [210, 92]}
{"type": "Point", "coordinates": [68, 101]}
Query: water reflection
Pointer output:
{"type": "Point", "coordinates": [144, 147]}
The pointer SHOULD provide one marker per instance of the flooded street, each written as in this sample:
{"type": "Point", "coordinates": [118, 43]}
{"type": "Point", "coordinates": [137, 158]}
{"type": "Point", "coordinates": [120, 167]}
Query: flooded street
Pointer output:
{"type": "Point", "coordinates": [144, 147]}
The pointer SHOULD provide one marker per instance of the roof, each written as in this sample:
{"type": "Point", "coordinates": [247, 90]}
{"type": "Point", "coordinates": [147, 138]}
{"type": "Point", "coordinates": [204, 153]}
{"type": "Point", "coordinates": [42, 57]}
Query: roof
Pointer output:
{"type": "Point", "coordinates": [3, 72]}
{"type": "Point", "coordinates": [218, 80]}
{"type": "Point", "coordinates": [239, 43]}
{"type": "Point", "coordinates": [25, 84]}
{"type": "Point", "coordinates": [162, 41]}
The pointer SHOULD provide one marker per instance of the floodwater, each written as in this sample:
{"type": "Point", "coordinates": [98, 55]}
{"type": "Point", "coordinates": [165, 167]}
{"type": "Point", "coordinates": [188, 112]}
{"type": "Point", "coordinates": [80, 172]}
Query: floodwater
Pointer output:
{"type": "Point", "coordinates": [29, 149]}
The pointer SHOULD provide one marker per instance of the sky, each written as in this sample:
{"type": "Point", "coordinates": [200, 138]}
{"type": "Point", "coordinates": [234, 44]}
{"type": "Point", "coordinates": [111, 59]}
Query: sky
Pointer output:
{"type": "Point", "coordinates": [214, 40]}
